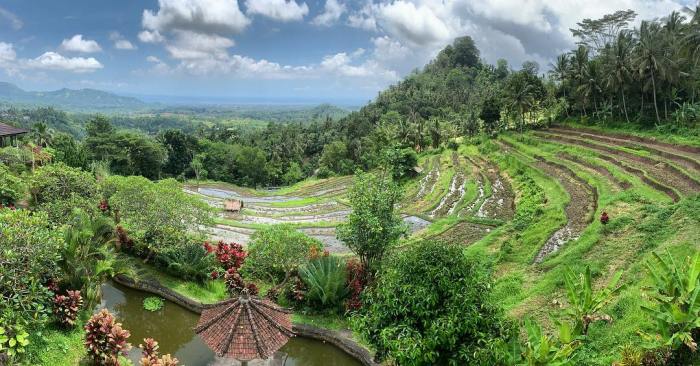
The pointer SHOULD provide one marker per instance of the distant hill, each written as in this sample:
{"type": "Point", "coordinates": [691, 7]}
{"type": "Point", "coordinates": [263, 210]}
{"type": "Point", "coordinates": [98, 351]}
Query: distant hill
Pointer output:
{"type": "Point", "coordinates": [81, 99]}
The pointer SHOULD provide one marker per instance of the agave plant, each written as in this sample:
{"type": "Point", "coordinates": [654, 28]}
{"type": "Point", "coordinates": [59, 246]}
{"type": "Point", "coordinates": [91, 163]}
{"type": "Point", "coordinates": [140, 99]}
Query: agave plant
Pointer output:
{"type": "Point", "coordinates": [585, 304]}
{"type": "Point", "coordinates": [325, 278]}
{"type": "Point", "coordinates": [88, 258]}
{"type": "Point", "coordinates": [676, 293]}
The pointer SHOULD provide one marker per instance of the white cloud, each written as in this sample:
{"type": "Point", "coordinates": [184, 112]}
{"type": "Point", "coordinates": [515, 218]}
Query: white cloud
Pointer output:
{"type": "Point", "coordinates": [10, 19]}
{"type": "Point", "coordinates": [206, 16]}
{"type": "Point", "coordinates": [280, 10]}
{"type": "Point", "coordinates": [418, 25]}
{"type": "Point", "coordinates": [78, 44]}
{"type": "Point", "coordinates": [191, 46]}
{"type": "Point", "coordinates": [332, 11]}
{"type": "Point", "coordinates": [120, 42]}
{"type": "Point", "coordinates": [151, 37]}
{"type": "Point", "coordinates": [364, 18]}
{"type": "Point", "coordinates": [341, 64]}
{"type": "Point", "coordinates": [7, 53]}
{"type": "Point", "coordinates": [124, 44]}
{"type": "Point", "coordinates": [55, 61]}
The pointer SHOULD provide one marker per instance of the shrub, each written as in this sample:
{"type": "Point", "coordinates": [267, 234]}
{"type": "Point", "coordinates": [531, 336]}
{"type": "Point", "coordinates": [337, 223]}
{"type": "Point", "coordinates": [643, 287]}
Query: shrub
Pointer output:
{"type": "Point", "coordinates": [676, 305]}
{"type": "Point", "coordinates": [356, 284]}
{"type": "Point", "coordinates": [190, 261]}
{"type": "Point", "coordinates": [105, 339]}
{"type": "Point", "coordinates": [153, 303]}
{"type": "Point", "coordinates": [585, 304]}
{"type": "Point", "coordinates": [13, 340]}
{"type": "Point", "coordinates": [431, 305]}
{"type": "Point", "coordinates": [11, 187]}
{"type": "Point", "coordinates": [151, 356]}
{"type": "Point", "coordinates": [276, 251]}
{"type": "Point", "coordinates": [542, 349]}
{"type": "Point", "coordinates": [66, 308]}
{"type": "Point", "coordinates": [29, 252]}
{"type": "Point", "coordinates": [325, 278]}
{"type": "Point", "coordinates": [59, 182]}
{"type": "Point", "coordinates": [228, 255]}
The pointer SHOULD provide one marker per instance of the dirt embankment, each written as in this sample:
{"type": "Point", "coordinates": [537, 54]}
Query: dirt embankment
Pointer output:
{"type": "Point", "coordinates": [667, 175]}
{"type": "Point", "coordinates": [449, 201]}
{"type": "Point", "coordinates": [619, 183]}
{"type": "Point", "coordinates": [579, 211]}
{"type": "Point", "coordinates": [500, 204]}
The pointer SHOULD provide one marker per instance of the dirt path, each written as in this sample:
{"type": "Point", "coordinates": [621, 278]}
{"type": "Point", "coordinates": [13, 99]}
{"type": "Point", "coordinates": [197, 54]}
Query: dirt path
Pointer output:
{"type": "Point", "coordinates": [579, 211]}
{"type": "Point", "coordinates": [683, 158]}
{"type": "Point", "coordinates": [661, 172]}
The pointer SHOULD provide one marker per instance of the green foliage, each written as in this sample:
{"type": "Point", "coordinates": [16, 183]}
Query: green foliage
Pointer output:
{"type": "Point", "coordinates": [153, 303]}
{"type": "Point", "coordinates": [373, 226]}
{"type": "Point", "coordinates": [326, 280]}
{"type": "Point", "coordinates": [11, 187]}
{"type": "Point", "coordinates": [544, 350]}
{"type": "Point", "coordinates": [88, 258]}
{"type": "Point", "coordinates": [400, 162]}
{"type": "Point", "coordinates": [28, 257]}
{"type": "Point", "coordinates": [335, 160]}
{"type": "Point", "coordinates": [159, 215]}
{"type": "Point", "coordinates": [188, 260]}
{"type": "Point", "coordinates": [13, 340]}
{"type": "Point", "coordinates": [676, 303]}
{"type": "Point", "coordinates": [585, 304]}
{"type": "Point", "coordinates": [276, 251]}
{"type": "Point", "coordinates": [59, 182]}
{"type": "Point", "coordinates": [449, 319]}
{"type": "Point", "coordinates": [69, 151]}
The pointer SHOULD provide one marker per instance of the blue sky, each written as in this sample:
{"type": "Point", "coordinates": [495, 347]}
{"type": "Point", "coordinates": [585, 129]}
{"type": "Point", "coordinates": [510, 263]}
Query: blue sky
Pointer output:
{"type": "Point", "coordinates": [320, 50]}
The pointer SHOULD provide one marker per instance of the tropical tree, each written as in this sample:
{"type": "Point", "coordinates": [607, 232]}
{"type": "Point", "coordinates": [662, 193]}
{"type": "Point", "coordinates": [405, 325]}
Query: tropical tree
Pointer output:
{"type": "Point", "coordinates": [520, 95]}
{"type": "Point", "coordinates": [649, 58]}
{"type": "Point", "coordinates": [41, 134]}
{"type": "Point", "coordinates": [619, 76]}
{"type": "Point", "coordinates": [88, 258]}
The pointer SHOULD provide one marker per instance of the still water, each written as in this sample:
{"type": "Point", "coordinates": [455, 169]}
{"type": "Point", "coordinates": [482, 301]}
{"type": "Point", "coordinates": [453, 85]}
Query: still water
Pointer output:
{"type": "Point", "coordinates": [172, 328]}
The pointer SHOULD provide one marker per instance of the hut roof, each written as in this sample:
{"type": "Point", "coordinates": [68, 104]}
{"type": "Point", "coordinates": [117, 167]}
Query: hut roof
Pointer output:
{"type": "Point", "coordinates": [7, 130]}
{"type": "Point", "coordinates": [233, 205]}
{"type": "Point", "coordinates": [245, 328]}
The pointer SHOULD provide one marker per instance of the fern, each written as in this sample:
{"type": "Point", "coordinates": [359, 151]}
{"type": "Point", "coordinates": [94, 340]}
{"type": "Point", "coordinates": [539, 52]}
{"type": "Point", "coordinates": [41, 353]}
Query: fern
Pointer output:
{"type": "Point", "coordinates": [326, 280]}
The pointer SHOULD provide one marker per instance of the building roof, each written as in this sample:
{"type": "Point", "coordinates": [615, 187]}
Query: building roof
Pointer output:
{"type": "Point", "coordinates": [7, 130]}
{"type": "Point", "coordinates": [245, 328]}
{"type": "Point", "coordinates": [233, 205]}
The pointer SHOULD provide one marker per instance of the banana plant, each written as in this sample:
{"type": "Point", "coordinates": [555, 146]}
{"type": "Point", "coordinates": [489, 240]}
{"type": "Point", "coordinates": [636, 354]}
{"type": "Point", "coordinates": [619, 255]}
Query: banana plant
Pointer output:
{"type": "Point", "coordinates": [676, 294]}
{"type": "Point", "coordinates": [586, 304]}
{"type": "Point", "coordinates": [542, 349]}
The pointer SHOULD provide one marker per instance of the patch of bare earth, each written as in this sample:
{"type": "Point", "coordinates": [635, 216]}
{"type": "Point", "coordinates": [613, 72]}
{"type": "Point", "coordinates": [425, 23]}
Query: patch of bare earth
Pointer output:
{"type": "Point", "coordinates": [427, 183]}
{"type": "Point", "coordinates": [579, 211]}
{"type": "Point", "coordinates": [501, 203]}
{"type": "Point", "coordinates": [449, 201]}
{"type": "Point", "coordinates": [464, 233]}
{"type": "Point", "coordinates": [601, 170]}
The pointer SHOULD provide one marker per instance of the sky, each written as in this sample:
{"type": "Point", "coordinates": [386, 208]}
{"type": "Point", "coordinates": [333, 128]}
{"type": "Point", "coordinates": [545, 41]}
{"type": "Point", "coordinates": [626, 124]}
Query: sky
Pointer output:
{"type": "Point", "coordinates": [317, 50]}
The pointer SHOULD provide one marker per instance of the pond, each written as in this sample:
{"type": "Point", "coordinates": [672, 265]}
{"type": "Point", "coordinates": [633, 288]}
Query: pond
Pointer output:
{"type": "Point", "coordinates": [172, 328]}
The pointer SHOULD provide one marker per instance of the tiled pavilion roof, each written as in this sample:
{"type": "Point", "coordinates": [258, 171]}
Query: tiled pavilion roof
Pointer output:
{"type": "Point", "coordinates": [245, 328]}
{"type": "Point", "coordinates": [7, 130]}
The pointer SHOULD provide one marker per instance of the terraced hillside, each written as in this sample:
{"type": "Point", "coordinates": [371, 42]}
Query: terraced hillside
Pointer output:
{"type": "Point", "coordinates": [528, 202]}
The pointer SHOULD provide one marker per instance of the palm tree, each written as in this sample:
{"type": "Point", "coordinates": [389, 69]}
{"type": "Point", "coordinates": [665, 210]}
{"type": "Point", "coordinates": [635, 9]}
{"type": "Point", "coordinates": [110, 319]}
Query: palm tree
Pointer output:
{"type": "Point", "coordinates": [621, 69]}
{"type": "Point", "coordinates": [590, 87]}
{"type": "Point", "coordinates": [560, 72]}
{"type": "Point", "coordinates": [88, 258]}
{"type": "Point", "coordinates": [579, 64]}
{"type": "Point", "coordinates": [521, 95]}
{"type": "Point", "coordinates": [649, 59]}
{"type": "Point", "coordinates": [41, 134]}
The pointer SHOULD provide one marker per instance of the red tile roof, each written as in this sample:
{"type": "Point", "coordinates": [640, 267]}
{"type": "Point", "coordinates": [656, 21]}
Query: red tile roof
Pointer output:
{"type": "Point", "coordinates": [7, 130]}
{"type": "Point", "coordinates": [245, 328]}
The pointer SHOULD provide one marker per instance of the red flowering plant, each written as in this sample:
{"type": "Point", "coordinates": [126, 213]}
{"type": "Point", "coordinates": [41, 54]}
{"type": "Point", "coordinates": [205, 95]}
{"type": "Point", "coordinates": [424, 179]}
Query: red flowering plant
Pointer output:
{"type": "Point", "coordinates": [151, 356]}
{"type": "Point", "coordinates": [604, 218]}
{"type": "Point", "coordinates": [357, 281]}
{"type": "Point", "coordinates": [104, 206]}
{"type": "Point", "coordinates": [66, 308]}
{"type": "Point", "coordinates": [105, 340]}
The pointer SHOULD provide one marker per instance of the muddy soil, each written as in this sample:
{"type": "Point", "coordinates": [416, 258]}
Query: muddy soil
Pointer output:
{"type": "Point", "coordinates": [251, 219]}
{"type": "Point", "coordinates": [312, 209]}
{"type": "Point", "coordinates": [501, 204]}
{"type": "Point", "coordinates": [579, 210]}
{"type": "Point", "coordinates": [642, 140]}
{"type": "Point", "coordinates": [480, 195]}
{"type": "Point", "coordinates": [449, 201]}
{"type": "Point", "coordinates": [243, 236]}
{"type": "Point", "coordinates": [427, 183]}
{"type": "Point", "coordinates": [616, 182]}
{"type": "Point", "coordinates": [465, 233]}
{"type": "Point", "coordinates": [661, 172]}
{"type": "Point", "coordinates": [685, 159]}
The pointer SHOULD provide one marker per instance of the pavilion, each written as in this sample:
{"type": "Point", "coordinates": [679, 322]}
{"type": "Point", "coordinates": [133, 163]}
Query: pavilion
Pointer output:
{"type": "Point", "coordinates": [8, 134]}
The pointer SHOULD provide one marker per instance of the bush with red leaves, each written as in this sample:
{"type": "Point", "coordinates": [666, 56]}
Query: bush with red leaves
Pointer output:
{"type": "Point", "coordinates": [357, 283]}
{"type": "Point", "coordinates": [105, 340]}
{"type": "Point", "coordinates": [104, 206]}
{"type": "Point", "coordinates": [604, 218]}
{"type": "Point", "coordinates": [66, 308]}
{"type": "Point", "coordinates": [229, 255]}
{"type": "Point", "coordinates": [151, 356]}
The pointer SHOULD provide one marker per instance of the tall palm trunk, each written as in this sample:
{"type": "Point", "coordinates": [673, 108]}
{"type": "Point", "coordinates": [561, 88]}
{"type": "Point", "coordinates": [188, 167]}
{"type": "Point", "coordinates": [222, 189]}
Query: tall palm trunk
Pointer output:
{"type": "Point", "coordinates": [624, 105]}
{"type": "Point", "coordinates": [656, 107]}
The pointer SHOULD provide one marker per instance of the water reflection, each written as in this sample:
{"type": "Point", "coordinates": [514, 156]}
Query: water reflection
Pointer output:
{"type": "Point", "coordinates": [172, 328]}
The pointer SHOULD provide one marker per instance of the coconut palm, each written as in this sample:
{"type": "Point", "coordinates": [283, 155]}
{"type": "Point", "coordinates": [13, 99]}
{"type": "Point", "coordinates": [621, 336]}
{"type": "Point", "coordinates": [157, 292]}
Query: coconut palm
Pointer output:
{"type": "Point", "coordinates": [560, 72]}
{"type": "Point", "coordinates": [579, 67]}
{"type": "Point", "coordinates": [590, 85]}
{"type": "Point", "coordinates": [87, 257]}
{"type": "Point", "coordinates": [41, 134]}
{"type": "Point", "coordinates": [521, 96]}
{"type": "Point", "coordinates": [619, 76]}
{"type": "Point", "coordinates": [649, 60]}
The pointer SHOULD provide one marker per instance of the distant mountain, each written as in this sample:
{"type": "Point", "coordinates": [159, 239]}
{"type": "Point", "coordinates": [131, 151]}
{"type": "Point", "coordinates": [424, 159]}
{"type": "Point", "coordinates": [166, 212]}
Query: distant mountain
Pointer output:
{"type": "Point", "coordinates": [81, 99]}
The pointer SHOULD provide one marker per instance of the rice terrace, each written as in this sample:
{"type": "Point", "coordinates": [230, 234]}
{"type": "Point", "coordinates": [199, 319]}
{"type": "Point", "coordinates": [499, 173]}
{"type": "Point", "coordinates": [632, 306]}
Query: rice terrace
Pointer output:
{"type": "Point", "coordinates": [333, 182]}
